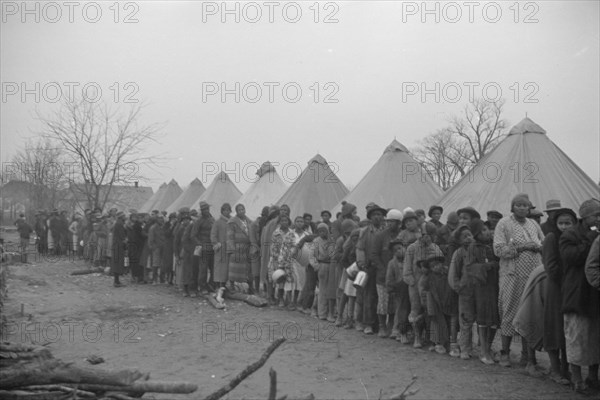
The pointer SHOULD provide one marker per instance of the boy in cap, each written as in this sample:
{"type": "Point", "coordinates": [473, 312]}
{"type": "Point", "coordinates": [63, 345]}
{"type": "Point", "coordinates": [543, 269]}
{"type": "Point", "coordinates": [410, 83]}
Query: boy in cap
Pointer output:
{"type": "Point", "coordinates": [398, 291]}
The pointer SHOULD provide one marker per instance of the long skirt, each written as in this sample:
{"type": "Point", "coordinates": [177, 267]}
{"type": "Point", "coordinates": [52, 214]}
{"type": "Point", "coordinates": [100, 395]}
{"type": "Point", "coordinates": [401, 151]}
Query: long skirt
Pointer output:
{"type": "Point", "coordinates": [299, 275]}
{"type": "Point", "coordinates": [582, 337]}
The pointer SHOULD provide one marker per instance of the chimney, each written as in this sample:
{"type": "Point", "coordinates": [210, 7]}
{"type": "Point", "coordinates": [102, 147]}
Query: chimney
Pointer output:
{"type": "Point", "coordinates": [136, 183]}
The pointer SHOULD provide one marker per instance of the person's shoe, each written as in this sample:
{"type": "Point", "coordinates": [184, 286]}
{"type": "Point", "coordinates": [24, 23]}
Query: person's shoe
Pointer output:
{"type": "Point", "coordinates": [592, 383]}
{"type": "Point", "coordinates": [383, 333]}
{"type": "Point", "coordinates": [557, 378]}
{"type": "Point", "coordinates": [368, 330]}
{"type": "Point", "coordinates": [487, 360]}
{"type": "Point", "coordinates": [339, 322]}
{"type": "Point", "coordinates": [349, 324]}
{"type": "Point", "coordinates": [118, 284]}
{"type": "Point", "coordinates": [194, 294]}
{"type": "Point", "coordinates": [403, 338]}
{"type": "Point", "coordinates": [454, 350]}
{"type": "Point", "coordinates": [330, 318]}
{"type": "Point", "coordinates": [465, 355]}
{"type": "Point", "coordinates": [581, 388]}
{"type": "Point", "coordinates": [359, 326]}
{"type": "Point", "coordinates": [292, 307]}
{"type": "Point", "coordinates": [281, 304]}
{"type": "Point", "coordinates": [532, 371]}
{"type": "Point", "coordinates": [306, 311]}
{"type": "Point", "coordinates": [440, 349]}
{"type": "Point", "coordinates": [504, 360]}
{"type": "Point", "coordinates": [394, 334]}
{"type": "Point", "coordinates": [417, 344]}
{"type": "Point", "coordinates": [523, 361]}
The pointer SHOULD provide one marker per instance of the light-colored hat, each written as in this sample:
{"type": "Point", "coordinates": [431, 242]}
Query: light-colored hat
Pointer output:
{"type": "Point", "coordinates": [394, 214]}
{"type": "Point", "coordinates": [552, 205]}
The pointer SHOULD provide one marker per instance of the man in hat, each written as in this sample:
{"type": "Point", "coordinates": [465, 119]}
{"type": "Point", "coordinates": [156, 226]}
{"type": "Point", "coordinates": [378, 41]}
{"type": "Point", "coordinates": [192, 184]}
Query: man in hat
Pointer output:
{"type": "Point", "coordinates": [203, 263]}
{"type": "Point", "coordinates": [218, 238]}
{"type": "Point", "coordinates": [366, 300]}
{"type": "Point", "coordinates": [493, 217]}
{"type": "Point", "coordinates": [551, 207]}
{"type": "Point", "coordinates": [468, 216]}
{"type": "Point", "coordinates": [382, 256]}
{"type": "Point", "coordinates": [435, 214]}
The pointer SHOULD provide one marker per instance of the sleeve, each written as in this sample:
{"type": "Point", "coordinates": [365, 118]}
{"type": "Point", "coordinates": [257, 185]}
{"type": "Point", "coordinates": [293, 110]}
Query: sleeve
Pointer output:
{"type": "Point", "coordinates": [312, 255]}
{"type": "Point", "coordinates": [195, 233]}
{"type": "Point", "coordinates": [592, 265]}
{"type": "Point", "coordinates": [214, 234]}
{"type": "Point", "coordinates": [453, 272]}
{"type": "Point", "coordinates": [407, 273]}
{"type": "Point", "coordinates": [360, 250]}
{"type": "Point", "coordinates": [151, 236]}
{"type": "Point", "coordinates": [503, 247]}
{"type": "Point", "coordinates": [572, 251]}
{"type": "Point", "coordinates": [551, 258]}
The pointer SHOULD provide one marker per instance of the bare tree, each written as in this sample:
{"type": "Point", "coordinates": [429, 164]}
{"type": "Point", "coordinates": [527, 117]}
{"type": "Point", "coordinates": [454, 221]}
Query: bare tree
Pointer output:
{"type": "Point", "coordinates": [40, 164]}
{"type": "Point", "coordinates": [440, 154]}
{"type": "Point", "coordinates": [102, 143]}
{"type": "Point", "coordinates": [449, 153]}
{"type": "Point", "coordinates": [481, 127]}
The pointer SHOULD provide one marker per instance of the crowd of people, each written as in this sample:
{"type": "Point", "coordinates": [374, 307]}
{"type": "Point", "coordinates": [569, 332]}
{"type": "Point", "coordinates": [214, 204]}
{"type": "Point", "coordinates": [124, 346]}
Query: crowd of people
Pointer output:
{"type": "Point", "coordinates": [400, 274]}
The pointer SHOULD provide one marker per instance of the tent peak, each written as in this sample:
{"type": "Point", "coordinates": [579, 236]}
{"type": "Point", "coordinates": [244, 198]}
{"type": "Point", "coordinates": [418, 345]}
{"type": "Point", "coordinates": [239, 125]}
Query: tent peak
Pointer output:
{"type": "Point", "coordinates": [395, 146]}
{"type": "Point", "coordinates": [265, 168]}
{"type": "Point", "coordinates": [319, 159]}
{"type": "Point", "coordinates": [173, 182]}
{"type": "Point", "coordinates": [196, 182]}
{"type": "Point", "coordinates": [526, 126]}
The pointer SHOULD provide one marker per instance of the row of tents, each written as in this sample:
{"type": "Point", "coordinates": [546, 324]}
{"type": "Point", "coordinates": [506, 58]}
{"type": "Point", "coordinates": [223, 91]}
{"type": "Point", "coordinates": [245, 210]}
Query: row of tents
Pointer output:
{"type": "Point", "coordinates": [525, 161]}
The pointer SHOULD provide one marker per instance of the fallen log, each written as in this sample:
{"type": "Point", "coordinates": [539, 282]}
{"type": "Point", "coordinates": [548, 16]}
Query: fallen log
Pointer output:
{"type": "Point", "coordinates": [88, 271]}
{"type": "Point", "coordinates": [61, 388]}
{"type": "Point", "coordinates": [24, 395]}
{"type": "Point", "coordinates": [43, 354]}
{"type": "Point", "coordinates": [213, 301]}
{"type": "Point", "coordinates": [55, 371]}
{"type": "Point", "coordinates": [140, 387]}
{"type": "Point", "coordinates": [250, 369]}
{"type": "Point", "coordinates": [251, 299]}
{"type": "Point", "coordinates": [17, 347]}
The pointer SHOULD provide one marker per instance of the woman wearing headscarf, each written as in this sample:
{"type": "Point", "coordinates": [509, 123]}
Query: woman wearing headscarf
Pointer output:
{"type": "Point", "coordinates": [580, 301]}
{"type": "Point", "coordinates": [238, 246]}
{"type": "Point", "coordinates": [554, 334]}
{"type": "Point", "coordinates": [518, 244]}
{"type": "Point", "coordinates": [218, 238]}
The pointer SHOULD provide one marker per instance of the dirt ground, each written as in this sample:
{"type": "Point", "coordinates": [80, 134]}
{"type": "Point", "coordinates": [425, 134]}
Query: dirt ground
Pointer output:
{"type": "Point", "coordinates": [155, 329]}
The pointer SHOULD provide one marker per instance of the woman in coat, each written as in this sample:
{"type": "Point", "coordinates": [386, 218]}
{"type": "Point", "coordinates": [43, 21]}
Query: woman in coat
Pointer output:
{"type": "Point", "coordinates": [218, 238]}
{"type": "Point", "coordinates": [581, 302]}
{"type": "Point", "coordinates": [554, 334]}
{"type": "Point", "coordinates": [238, 246]}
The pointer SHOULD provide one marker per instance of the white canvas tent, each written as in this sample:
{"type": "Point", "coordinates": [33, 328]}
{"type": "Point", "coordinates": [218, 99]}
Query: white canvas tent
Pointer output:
{"type": "Point", "coordinates": [167, 196]}
{"type": "Point", "coordinates": [188, 197]}
{"type": "Point", "coordinates": [526, 161]}
{"type": "Point", "coordinates": [316, 189]}
{"type": "Point", "coordinates": [149, 204]}
{"type": "Point", "coordinates": [396, 180]}
{"type": "Point", "coordinates": [265, 191]}
{"type": "Point", "coordinates": [221, 190]}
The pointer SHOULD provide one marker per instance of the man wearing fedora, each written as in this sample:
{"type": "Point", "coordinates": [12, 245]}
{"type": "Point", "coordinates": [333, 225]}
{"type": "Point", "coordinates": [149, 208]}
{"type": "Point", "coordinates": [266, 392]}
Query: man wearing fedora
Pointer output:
{"type": "Point", "coordinates": [551, 207]}
{"type": "Point", "coordinates": [366, 299]}
{"type": "Point", "coordinates": [203, 264]}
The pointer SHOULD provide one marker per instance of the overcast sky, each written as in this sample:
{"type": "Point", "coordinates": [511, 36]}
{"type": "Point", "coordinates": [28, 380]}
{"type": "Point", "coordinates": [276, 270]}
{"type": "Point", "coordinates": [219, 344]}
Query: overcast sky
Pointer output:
{"type": "Point", "coordinates": [368, 65]}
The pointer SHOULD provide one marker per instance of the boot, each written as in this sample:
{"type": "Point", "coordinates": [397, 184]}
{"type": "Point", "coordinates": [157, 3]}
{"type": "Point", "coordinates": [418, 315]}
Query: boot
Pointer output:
{"type": "Point", "coordinates": [383, 332]}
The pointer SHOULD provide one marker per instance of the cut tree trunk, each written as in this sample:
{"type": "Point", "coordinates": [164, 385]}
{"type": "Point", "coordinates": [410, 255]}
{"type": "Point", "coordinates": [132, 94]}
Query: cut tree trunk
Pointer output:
{"type": "Point", "coordinates": [55, 371]}
{"type": "Point", "coordinates": [140, 387]}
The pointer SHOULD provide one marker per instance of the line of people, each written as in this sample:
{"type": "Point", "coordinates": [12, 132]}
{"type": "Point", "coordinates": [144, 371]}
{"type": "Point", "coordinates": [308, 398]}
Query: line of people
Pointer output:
{"type": "Point", "coordinates": [396, 273]}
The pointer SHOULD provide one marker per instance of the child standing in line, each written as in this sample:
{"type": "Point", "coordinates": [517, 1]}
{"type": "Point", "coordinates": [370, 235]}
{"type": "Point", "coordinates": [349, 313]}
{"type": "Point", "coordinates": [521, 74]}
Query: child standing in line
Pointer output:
{"type": "Point", "coordinates": [442, 304]}
{"type": "Point", "coordinates": [347, 258]}
{"type": "Point", "coordinates": [398, 290]}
